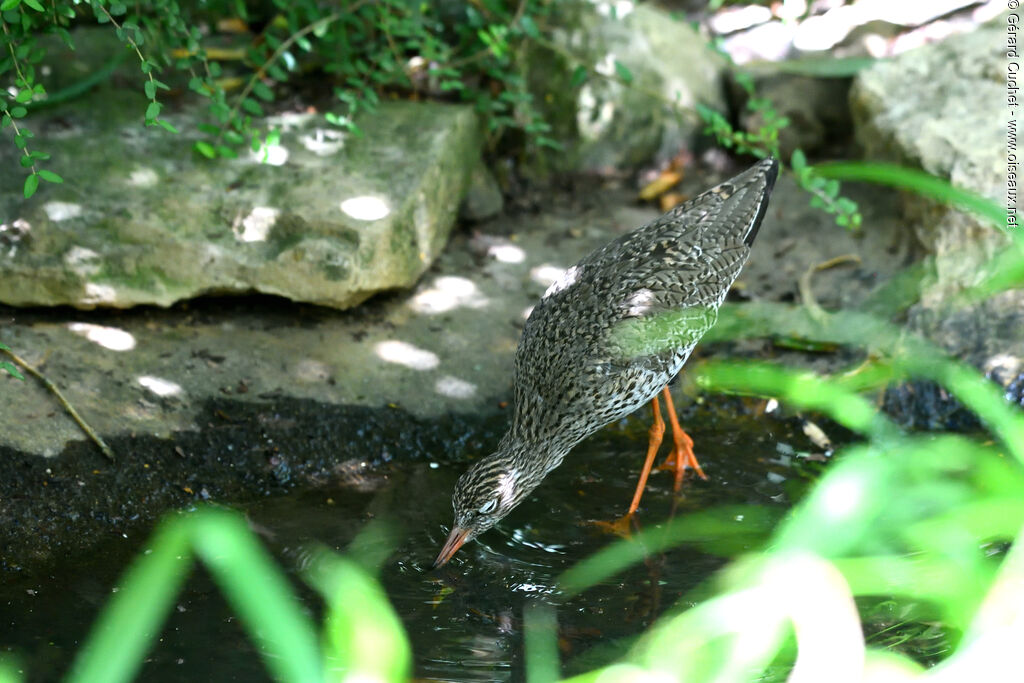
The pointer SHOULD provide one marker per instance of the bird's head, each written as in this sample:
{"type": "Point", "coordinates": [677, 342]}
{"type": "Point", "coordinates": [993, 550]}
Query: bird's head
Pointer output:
{"type": "Point", "coordinates": [488, 491]}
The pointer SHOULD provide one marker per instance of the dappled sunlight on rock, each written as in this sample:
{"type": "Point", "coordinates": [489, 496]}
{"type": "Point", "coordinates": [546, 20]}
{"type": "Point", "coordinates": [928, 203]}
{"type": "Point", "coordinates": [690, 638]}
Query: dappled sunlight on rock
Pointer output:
{"type": "Point", "coordinates": [83, 261]}
{"type": "Point", "coordinates": [619, 9]}
{"type": "Point", "coordinates": [160, 387]}
{"type": "Point", "coordinates": [143, 177]}
{"type": "Point", "coordinates": [738, 18]}
{"type": "Point", "coordinates": [448, 293]}
{"type": "Point", "coordinates": [256, 226]}
{"type": "Point", "coordinates": [770, 41]}
{"type": "Point", "coordinates": [593, 116]}
{"type": "Point", "coordinates": [506, 253]}
{"type": "Point", "coordinates": [310, 370]}
{"type": "Point", "coordinates": [564, 280]}
{"type": "Point", "coordinates": [453, 387]}
{"type": "Point", "coordinates": [323, 141]}
{"type": "Point", "coordinates": [824, 31]}
{"type": "Point", "coordinates": [366, 208]}
{"type": "Point", "coordinates": [111, 338]}
{"type": "Point", "coordinates": [403, 353]}
{"type": "Point", "coordinates": [62, 211]}
{"type": "Point", "coordinates": [99, 294]}
{"type": "Point", "coordinates": [273, 155]}
{"type": "Point", "coordinates": [546, 274]}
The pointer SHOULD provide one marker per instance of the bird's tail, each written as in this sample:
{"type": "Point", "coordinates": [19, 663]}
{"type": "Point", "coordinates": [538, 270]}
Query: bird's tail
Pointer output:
{"type": "Point", "coordinates": [762, 174]}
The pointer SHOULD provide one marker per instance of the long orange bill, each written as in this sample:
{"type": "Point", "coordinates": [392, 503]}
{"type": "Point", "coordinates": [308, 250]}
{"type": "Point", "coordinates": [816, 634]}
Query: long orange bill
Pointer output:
{"type": "Point", "coordinates": [457, 537]}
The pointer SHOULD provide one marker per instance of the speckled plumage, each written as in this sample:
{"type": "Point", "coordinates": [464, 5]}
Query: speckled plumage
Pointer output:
{"type": "Point", "coordinates": [575, 369]}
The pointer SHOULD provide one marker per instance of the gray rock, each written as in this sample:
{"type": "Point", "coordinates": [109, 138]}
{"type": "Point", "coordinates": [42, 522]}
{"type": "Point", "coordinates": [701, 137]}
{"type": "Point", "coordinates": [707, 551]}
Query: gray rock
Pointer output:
{"type": "Point", "coordinates": [933, 108]}
{"type": "Point", "coordinates": [606, 124]}
{"type": "Point", "coordinates": [483, 198]}
{"type": "Point", "coordinates": [143, 220]}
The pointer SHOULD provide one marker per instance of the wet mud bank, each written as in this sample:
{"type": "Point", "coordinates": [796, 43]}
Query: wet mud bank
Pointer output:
{"type": "Point", "coordinates": [56, 508]}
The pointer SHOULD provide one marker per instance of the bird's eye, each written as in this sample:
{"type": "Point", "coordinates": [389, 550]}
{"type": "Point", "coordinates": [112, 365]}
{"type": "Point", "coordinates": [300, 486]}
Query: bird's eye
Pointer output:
{"type": "Point", "coordinates": [488, 507]}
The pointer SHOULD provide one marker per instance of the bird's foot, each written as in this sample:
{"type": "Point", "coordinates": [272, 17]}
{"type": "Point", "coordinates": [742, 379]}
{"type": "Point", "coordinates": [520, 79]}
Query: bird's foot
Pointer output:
{"type": "Point", "coordinates": [679, 460]}
{"type": "Point", "coordinates": [620, 527]}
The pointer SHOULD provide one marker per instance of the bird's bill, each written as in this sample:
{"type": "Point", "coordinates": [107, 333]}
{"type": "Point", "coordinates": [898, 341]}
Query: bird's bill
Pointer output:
{"type": "Point", "coordinates": [455, 540]}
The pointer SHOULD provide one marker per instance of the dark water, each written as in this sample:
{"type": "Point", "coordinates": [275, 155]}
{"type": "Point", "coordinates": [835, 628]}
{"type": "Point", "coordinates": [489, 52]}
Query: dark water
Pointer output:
{"type": "Point", "coordinates": [464, 621]}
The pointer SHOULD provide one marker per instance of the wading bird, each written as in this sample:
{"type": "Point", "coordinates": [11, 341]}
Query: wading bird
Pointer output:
{"type": "Point", "coordinates": [608, 337]}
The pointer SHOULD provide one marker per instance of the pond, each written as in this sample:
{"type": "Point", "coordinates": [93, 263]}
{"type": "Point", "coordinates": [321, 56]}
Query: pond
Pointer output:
{"type": "Point", "coordinates": [464, 620]}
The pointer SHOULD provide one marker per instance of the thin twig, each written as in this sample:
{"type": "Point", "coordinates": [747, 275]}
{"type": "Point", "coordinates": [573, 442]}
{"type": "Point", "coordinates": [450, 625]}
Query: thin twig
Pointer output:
{"type": "Point", "coordinates": [30, 369]}
{"type": "Point", "coordinates": [807, 292]}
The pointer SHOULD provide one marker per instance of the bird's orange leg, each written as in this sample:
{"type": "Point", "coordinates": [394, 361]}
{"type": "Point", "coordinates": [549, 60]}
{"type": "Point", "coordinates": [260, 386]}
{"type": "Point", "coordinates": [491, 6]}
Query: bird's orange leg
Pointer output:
{"type": "Point", "coordinates": [682, 455]}
{"type": "Point", "coordinates": [655, 435]}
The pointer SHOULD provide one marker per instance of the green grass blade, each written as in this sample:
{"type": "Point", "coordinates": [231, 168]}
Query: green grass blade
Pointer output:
{"type": "Point", "coordinates": [815, 67]}
{"type": "Point", "coordinates": [259, 593]}
{"type": "Point", "coordinates": [907, 354]}
{"type": "Point", "coordinates": [10, 670]}
{"type": "Point", "coordinates": [118, 642]}
{"type": "Point", "coordinates": [745, 525]}
{"type": "Point", "coordinates": [540, 636]}
{"type": "Point", "coordinates": [917, 181]}
{"type": "Point", "coordinates": [364, 638]}
{"type": "Point", "coordinates": [799, 388]}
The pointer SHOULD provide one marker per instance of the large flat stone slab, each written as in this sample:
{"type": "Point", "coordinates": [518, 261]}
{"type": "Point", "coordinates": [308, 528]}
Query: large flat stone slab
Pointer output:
{"type": "Point", "coordinates": [322, 217]}
{"type": "Point", "coordinates": [442, 348]}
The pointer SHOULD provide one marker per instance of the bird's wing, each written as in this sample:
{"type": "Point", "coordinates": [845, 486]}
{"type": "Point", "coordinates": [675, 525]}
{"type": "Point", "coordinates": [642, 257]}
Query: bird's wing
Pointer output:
{"type": "Point", "coordinates": [679, 267]}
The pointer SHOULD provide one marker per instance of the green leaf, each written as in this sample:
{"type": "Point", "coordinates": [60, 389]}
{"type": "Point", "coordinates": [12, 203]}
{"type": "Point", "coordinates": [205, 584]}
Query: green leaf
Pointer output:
{"type": "Point", "coordinates": [12, 370]}
{"type": "Point", "coordinates": [263, 92]}
{"type": "Point", "coordinates": [277, 73]}
{"type": "Point", "coordinates": [20, 141]}
{"type": "Point", "coordinates": [23, 96]}
{"type": "Point", "coordinates": [9, 4]}
{"type": "Point", "coordinates": [623, 71]}
{"type": "Point", "coordinates": [529, 27]}
{"type": "Point", "coordinates": [153, 111]}
{"type": "Point", "coordinates": [18, 112]}
{"type": "Point", "coordinates": [34, 4]}
{"type": "Point", "coordinates": [50, 176]}
{"type": "Point", "coordinates": [150, 88]}
{"type": "Point", "coordinates": [252, 106]}
{"type": "Point", "coordinates": [31, 184]}
{"type": "Point", "coordinates": [798, 160]}
{"type": "Point", "coordinates": [206, 149]}
{"type": "Point", "coordinates": [166, 126]}
{"type": "Point", "coordinates": [579, 76]}
{"type": "Point", "coordinates": [27, 161]}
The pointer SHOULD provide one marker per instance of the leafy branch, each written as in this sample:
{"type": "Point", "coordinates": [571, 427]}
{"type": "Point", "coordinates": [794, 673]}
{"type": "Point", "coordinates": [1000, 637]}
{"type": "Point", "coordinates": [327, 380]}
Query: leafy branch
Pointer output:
{"type": "Point", "coordinates": [26, 91]}
{"type": "Point", "coordinates": [765, 142]}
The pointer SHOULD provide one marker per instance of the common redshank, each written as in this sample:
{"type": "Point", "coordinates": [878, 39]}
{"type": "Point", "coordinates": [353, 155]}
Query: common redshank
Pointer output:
{"type": "Point", "coordinates": [573, 371]}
